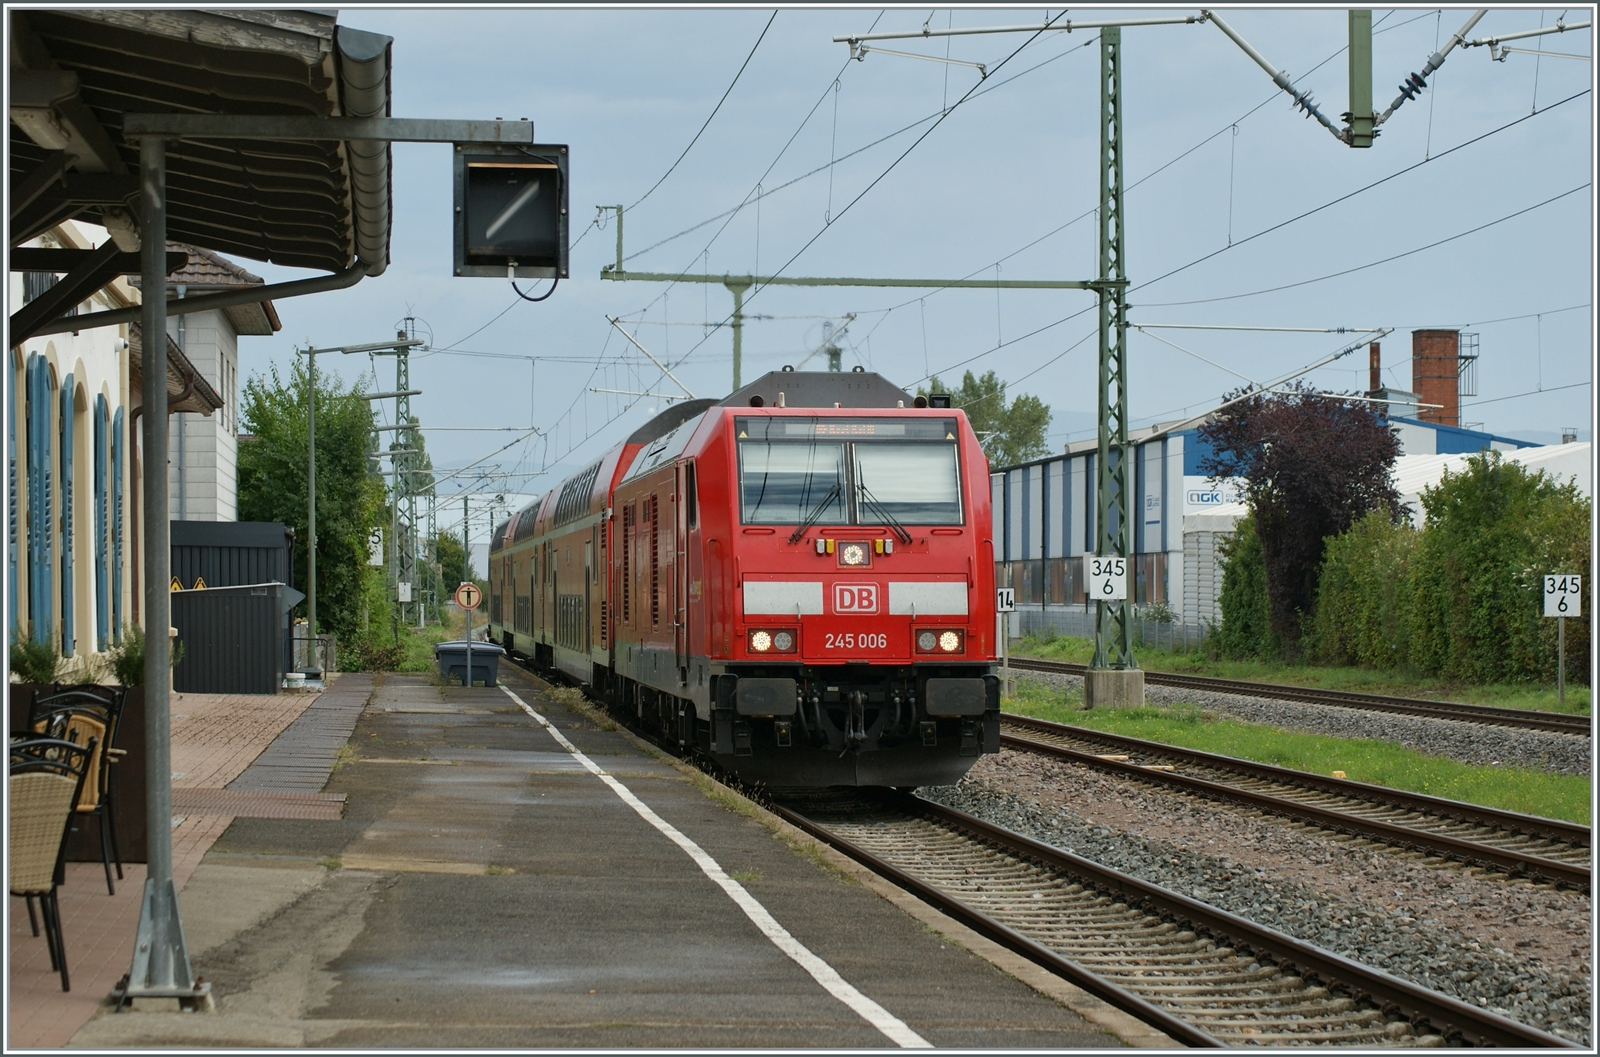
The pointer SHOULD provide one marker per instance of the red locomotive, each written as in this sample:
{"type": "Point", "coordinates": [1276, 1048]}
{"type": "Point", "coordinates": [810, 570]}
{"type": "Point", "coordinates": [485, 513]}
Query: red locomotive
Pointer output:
{"type": "Point", "coordinates": [797, 580]}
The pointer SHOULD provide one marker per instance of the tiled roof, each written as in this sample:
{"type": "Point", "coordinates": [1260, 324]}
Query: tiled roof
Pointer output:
{"type": "Point", "coordinates": [209, 269]}
{"type": "Point", "coordinates": [206, 270]}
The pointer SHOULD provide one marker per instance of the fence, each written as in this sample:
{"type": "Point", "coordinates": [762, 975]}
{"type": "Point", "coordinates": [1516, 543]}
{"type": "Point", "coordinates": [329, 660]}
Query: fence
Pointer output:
{"type": "Point", "coordinates": [1079, 623]}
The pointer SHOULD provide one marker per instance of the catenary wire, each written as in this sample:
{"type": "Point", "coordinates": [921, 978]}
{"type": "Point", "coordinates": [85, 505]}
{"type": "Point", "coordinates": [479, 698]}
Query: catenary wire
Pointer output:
{"type": "Point", "coordinates": [1372, 264]}
{"type": "Point", "coordinates": [713, 114]}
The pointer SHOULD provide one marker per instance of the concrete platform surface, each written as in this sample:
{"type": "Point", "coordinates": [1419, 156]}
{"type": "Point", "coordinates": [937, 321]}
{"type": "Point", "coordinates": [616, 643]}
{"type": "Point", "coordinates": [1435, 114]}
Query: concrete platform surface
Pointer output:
{"type": "Point", "coordinates": [484, 889]}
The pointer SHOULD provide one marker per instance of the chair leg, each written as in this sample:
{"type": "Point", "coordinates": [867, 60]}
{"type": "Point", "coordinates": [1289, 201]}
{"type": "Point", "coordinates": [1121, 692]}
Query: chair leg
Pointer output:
{"type": "Point", "coordinates": [61, 945]}
{"type": "Point", "coordinates": [33, 919]}
{"type": "Point", "coordinates": [49, 932]}
{"type": "Point", "coordinates": [111, 818]}
{"type": "Point", "coordinates": [105, 848]}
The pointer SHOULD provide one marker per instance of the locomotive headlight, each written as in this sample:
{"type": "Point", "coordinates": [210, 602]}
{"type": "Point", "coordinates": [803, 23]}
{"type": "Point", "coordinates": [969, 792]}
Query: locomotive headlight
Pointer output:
{"type": "Point", "coordinates": [926, 641]}
{"type": "Point", "coordinates": [854, 554]}
{"type": "Point", "coordinates": [760, 641]}
{"type": "Point", "coordinates": [783, 642]}
{"type": "Point", "coordinates": [950, 641]}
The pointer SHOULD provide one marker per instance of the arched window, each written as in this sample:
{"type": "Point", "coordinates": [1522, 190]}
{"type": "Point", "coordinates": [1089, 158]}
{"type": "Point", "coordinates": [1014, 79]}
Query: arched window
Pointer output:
{"type": "Point", "coordinates": [102, 608]}
{"type": "Point", "coordinates": [68, 441]}
{"type": "Point", "coordinates": [116, 526]}
{"type": "Point", "coordinates": [40, 511]}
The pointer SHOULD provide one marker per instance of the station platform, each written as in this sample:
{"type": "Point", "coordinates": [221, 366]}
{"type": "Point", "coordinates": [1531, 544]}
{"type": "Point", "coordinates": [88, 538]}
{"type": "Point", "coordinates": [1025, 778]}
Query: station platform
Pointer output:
{"type": "Point", "coordinates": [480, 885]}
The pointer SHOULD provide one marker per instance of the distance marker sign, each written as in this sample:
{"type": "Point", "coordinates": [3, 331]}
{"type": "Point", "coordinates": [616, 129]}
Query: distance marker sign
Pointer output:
{"type": "Point", "coordinates": [468, 596]}
{"type": "Point", "coordinates": [1105, 577]}
{"type": "Point", "coordinates": [1563, 596]}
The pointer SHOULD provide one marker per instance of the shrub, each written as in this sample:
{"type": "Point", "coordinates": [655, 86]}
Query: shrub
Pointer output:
{"type": "Point", "coordinates": [1246, 630]}
{"type": "Point", "coordinates": [34, 662]}
{"type": "Point", "coordinates": [1365, 595]}
{"type": "Point", "coordinates": [370, 655]}
{"type": "Point", "coordinates": [126, 658]}
{"type": "Point", "coordinates": [1493, 531]}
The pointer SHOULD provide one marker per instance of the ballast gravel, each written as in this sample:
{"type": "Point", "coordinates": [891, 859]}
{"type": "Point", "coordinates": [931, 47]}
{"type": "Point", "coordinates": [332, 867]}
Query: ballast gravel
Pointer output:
{"type": "Point", "coordinates": [1518, 949]}
{"type": "Point", "coordinates": [1478, 743]}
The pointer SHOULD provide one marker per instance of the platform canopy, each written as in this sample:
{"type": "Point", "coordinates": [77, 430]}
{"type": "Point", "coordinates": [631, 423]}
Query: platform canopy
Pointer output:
{"type": "Point", "coordinates": [75, 72]}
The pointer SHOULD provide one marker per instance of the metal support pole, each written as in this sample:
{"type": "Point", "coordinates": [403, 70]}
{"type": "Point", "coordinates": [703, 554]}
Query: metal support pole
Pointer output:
{"type": "Point", "coordinates": [313, 654]}
{"type": "Point", "coordinates": [160, 966]}
{"type": "Point", "coordinates": [465, 537]}
{"type": "Point", "coordinates": [1360, 118]}
{"type": "Point", "coordinates": [1113, 633]}
{"type": "Point", "coordinates": [737, 289]}
{"type": "Point", "coordinates": [1561, 662]}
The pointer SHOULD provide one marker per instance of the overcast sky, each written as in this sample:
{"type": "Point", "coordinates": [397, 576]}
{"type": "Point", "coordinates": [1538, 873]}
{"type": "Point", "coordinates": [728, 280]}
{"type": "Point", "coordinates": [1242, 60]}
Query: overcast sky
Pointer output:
{"type": "Point", "coordinates": [1003, 186]}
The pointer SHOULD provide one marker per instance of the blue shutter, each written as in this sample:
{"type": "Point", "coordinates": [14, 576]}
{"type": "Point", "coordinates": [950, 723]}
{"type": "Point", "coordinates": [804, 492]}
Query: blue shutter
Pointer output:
{"type": "Point", "coordinates": [40, 579]}
{"type": "Point", "coordinates": [12, 527]}
{"type": "Point", "coordinates": [116, 526]}
{"type": "Point", "coordinates": [102, 610]}
{"type": "Point", "coordinates": [68, 436]}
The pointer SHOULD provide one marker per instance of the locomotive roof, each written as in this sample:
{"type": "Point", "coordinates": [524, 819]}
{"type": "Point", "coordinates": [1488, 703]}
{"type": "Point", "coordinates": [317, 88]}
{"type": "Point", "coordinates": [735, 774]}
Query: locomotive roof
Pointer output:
{"type": "Point", "coordinates": [821, 389]}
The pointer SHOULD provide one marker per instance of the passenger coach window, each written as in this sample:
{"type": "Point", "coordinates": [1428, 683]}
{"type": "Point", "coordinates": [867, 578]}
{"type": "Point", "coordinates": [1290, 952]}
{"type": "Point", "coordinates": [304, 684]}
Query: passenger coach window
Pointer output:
{"type": "Point", "coordinates": [838, 471]}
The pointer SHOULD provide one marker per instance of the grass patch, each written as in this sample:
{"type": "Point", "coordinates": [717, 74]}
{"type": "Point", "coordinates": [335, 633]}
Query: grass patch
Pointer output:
{"type": "Point", "coordinates": [1368, 760]}
{"type": "Point", "coordinates": [330, 864]}
{"type": "Point", "coordinates": [343, 755]}
{"type": "Point", "coordinates": [1360, 680]}
{"type": "Point", "coordinates": [746, 876]}
{"type": "Point", "coordinates": [496, 871]}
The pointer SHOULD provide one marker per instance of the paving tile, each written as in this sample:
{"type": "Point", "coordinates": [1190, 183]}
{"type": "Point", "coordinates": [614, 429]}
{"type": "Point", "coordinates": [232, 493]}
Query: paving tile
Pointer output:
{"type": "Point", "coordinates": [216, 738]}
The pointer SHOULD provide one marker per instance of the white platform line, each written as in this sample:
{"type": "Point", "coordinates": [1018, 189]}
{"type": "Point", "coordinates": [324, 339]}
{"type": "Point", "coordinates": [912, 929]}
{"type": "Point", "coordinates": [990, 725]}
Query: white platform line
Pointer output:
{"type": "Point", "coordinates": [820, 971]}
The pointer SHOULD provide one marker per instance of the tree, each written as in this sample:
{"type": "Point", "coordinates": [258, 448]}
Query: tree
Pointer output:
{"type": "Point", "coordinates": [350, 501]}
{"type": "Point", "coordinates": [1312, 465]}
{"type": "Point", "coordinates": [1010, 433]}
{"type": "Point", "coordinates": [452, 558]}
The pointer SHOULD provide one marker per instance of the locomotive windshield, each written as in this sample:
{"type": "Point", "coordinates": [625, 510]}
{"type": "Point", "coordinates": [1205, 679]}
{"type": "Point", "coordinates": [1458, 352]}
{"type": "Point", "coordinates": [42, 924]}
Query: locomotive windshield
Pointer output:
{"type": "Point", "coordinates": [795, 471]}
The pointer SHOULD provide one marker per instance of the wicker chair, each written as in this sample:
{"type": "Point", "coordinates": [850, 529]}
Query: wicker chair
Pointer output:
{"type": "Point", "coordinates": [46, 779]}
{"type": "Point", "coordinates": [85, 719]}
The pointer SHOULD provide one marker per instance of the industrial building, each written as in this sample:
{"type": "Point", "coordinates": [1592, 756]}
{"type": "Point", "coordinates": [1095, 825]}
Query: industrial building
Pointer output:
{"type": "Point", "coordinates": [1044, 510]}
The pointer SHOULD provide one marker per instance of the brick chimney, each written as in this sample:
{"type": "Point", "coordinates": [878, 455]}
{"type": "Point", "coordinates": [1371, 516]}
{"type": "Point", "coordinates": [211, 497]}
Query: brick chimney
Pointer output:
{"type": "Point", "coordinates": [1436, 374]}
{"type": "Point", "coordinates": [1375, 370]}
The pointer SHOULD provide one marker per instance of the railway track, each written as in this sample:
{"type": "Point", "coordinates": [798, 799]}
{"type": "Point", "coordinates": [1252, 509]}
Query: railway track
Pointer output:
{"type": "Point", "coordinates": [1202, 975]}
{"type": "Point", "coordinates": [1526, 719]}
{"type": "Point", "coordinates": [1523, 845]}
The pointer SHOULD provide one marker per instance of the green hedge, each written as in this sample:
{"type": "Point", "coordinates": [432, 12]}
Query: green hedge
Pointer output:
{"type": "Point", "coordinates": [1246, 630]}
{"type": "Point", "coordinates": [1493, 531]}
{"type": "Point", "coordinates": [1366, 597]}
{"type": "Point", "coordinates": [1461, 599]}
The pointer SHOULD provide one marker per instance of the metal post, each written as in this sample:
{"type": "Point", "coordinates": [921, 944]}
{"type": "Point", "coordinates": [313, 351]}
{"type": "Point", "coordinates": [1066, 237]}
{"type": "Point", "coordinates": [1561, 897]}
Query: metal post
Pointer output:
{"type": "Point", "coordinates": [1360, 117]}
{"type": "Point", "coordinates": [737, 289]}
{"type": "Point", "coordinates": [160, 966]}
{"type": "Point", "coordinates": [1561, 662]}
{"type": "Point", "coordinates": [1113, 633]}
{"type": "Point", "coordinates": [406, 548]}
{"type": "Point", "coordinates": [313, 654]}
{"type": "Point", "coordinates": [464, 537]}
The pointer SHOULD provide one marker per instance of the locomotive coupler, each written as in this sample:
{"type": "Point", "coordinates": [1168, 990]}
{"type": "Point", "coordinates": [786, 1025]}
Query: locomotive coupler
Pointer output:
{"type": "Point", "coordinates": [856, 727]}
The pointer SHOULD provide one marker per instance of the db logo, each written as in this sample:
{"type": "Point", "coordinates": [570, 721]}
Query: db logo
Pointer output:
{"type": "Point", "coordinates": [855, 598]}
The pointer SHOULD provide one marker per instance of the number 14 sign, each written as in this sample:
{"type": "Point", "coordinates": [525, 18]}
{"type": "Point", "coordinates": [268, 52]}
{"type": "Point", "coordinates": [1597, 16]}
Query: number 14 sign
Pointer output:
{"type": "Point", "coordinates": [1563, 596]}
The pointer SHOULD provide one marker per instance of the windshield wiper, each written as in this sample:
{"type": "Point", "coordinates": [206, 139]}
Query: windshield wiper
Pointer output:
{"type": "Point", "coordinates": [816, 512]}
{"type": "Point", "coordinates": [883, 512]}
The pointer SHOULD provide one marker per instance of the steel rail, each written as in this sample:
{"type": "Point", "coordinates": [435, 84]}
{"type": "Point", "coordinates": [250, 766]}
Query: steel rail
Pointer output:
{"type": "Point", "coordinates": [1010, 938]}
{"type": "Point", "coordinates": [1408, 837]}
{"type": "Point", "coordinates": [1440, 1014]}
{"type": "Point", "coordinates": [1550, 722]}
{"type": "Point", "coordinates": [1555, 829]}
